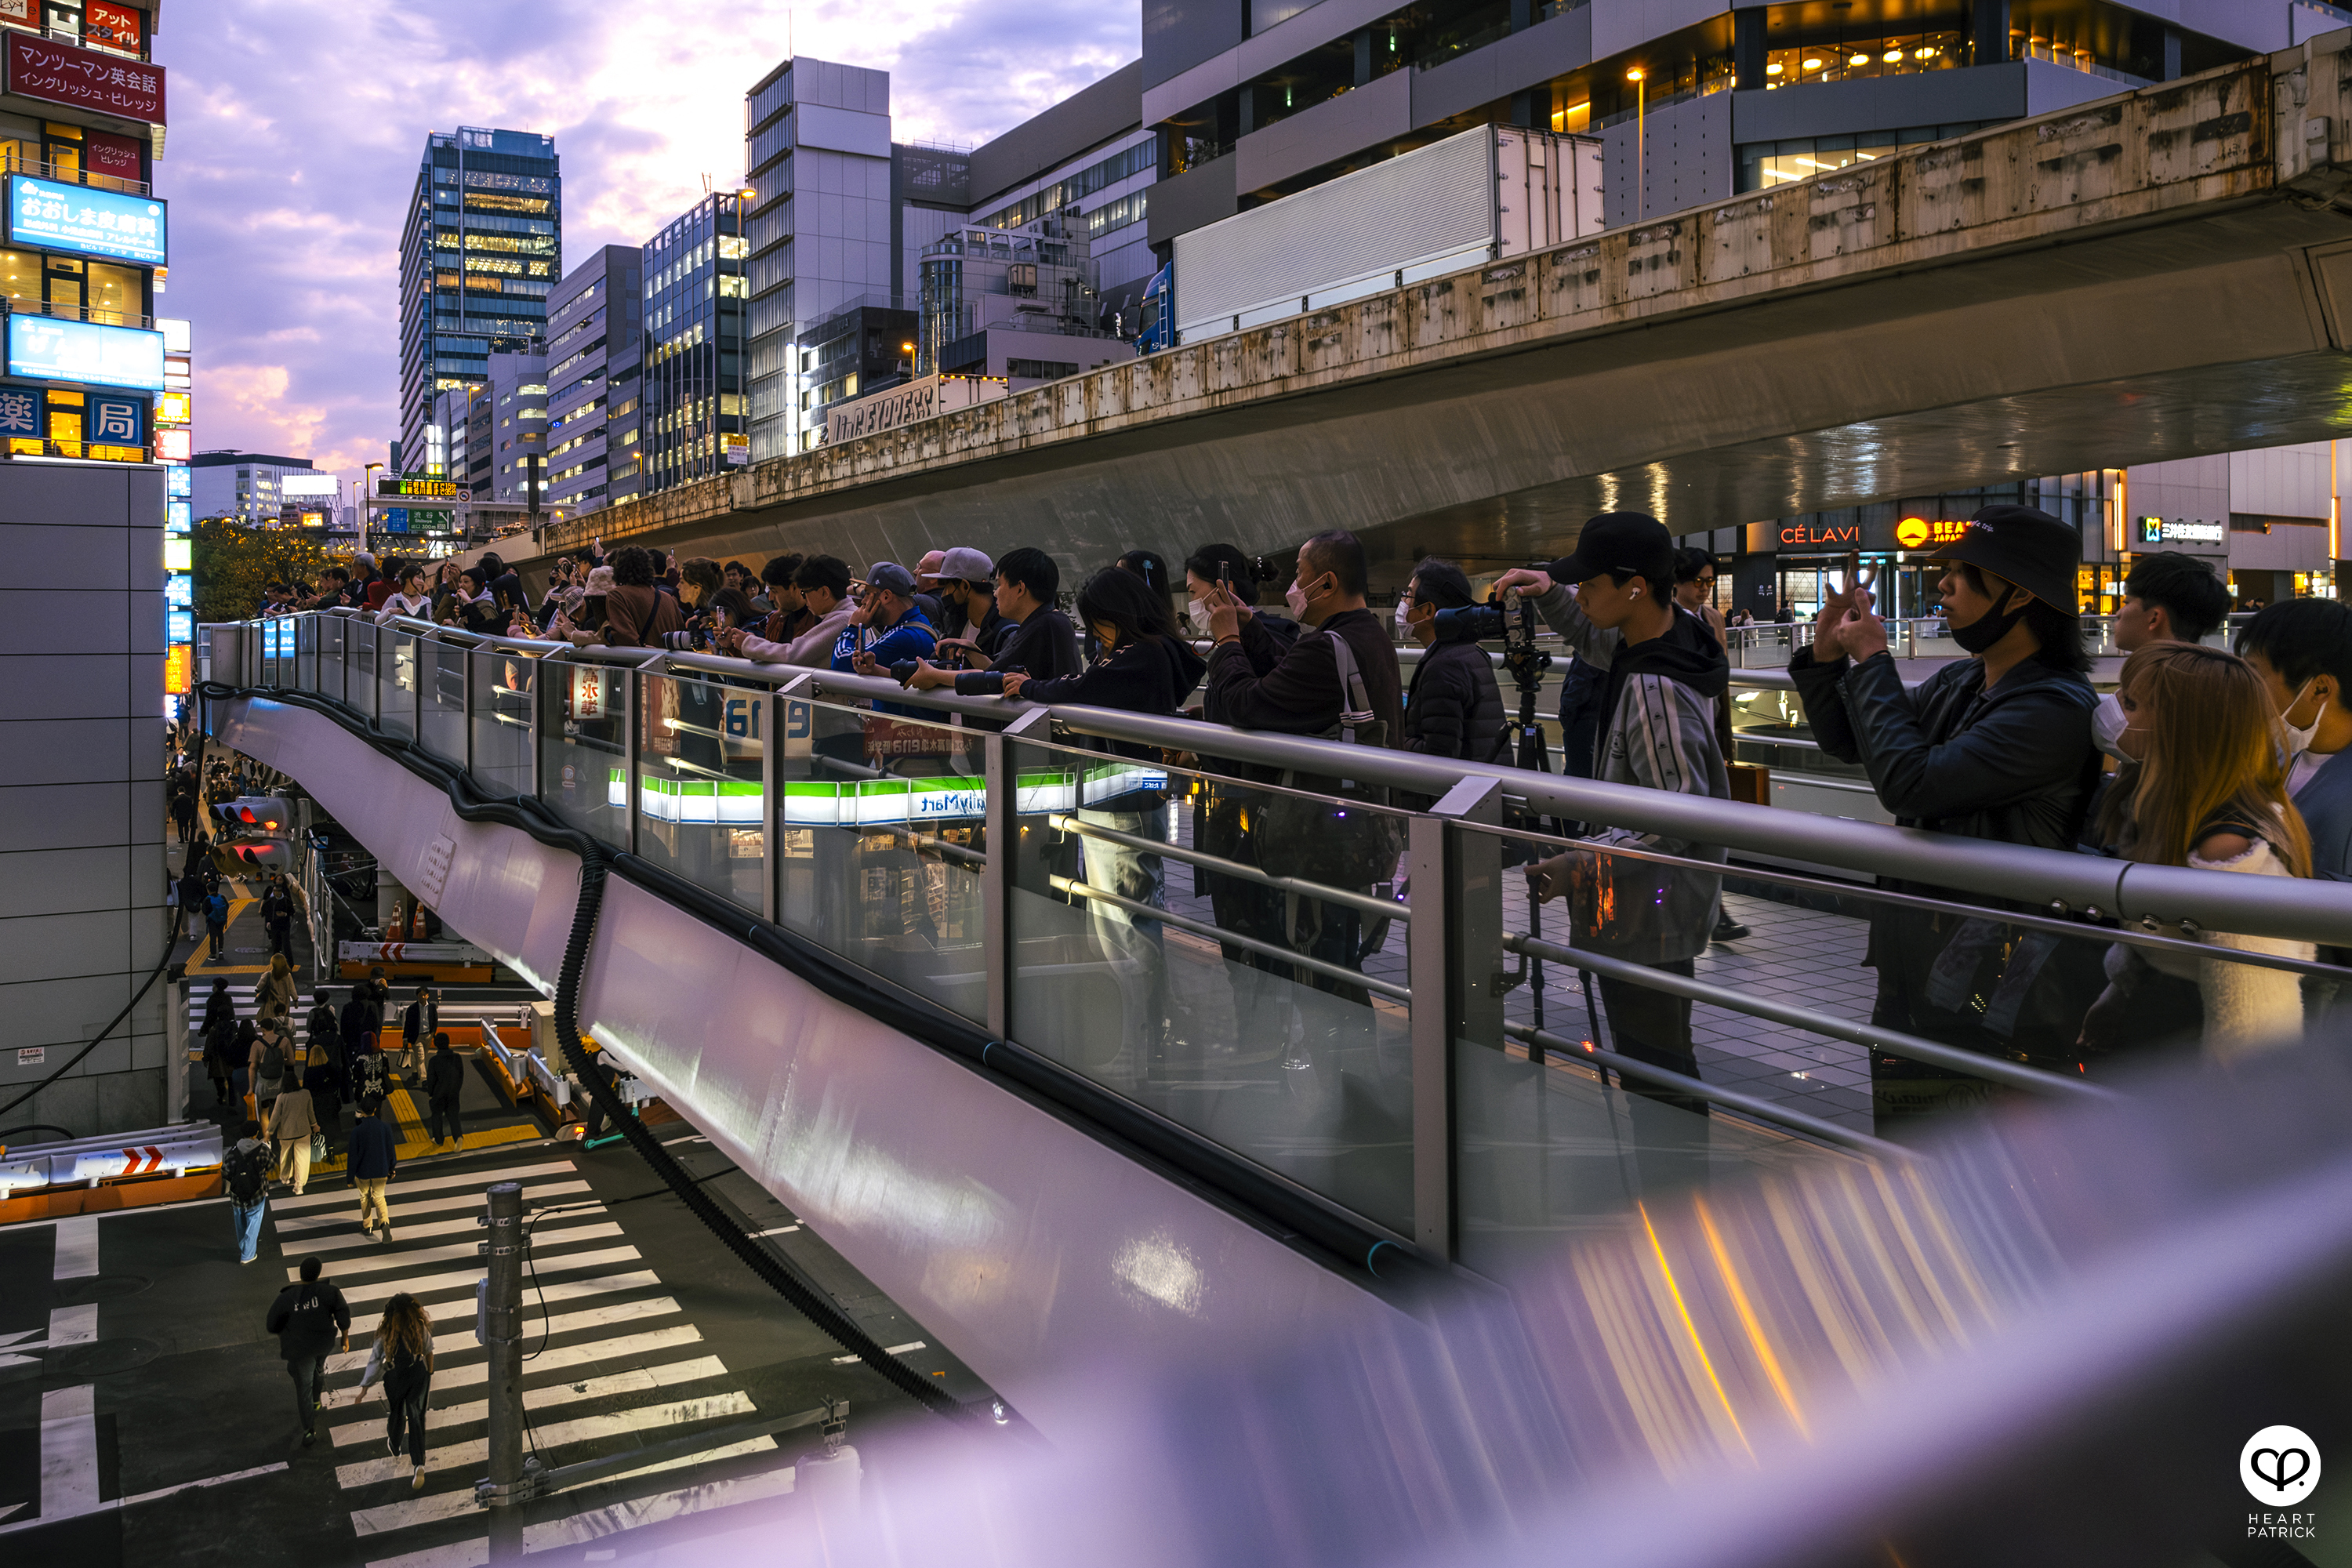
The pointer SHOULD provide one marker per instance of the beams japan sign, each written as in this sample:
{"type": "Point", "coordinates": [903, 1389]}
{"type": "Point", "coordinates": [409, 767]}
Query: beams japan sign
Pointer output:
{"type": "Point", "coordinates": [85, 78]}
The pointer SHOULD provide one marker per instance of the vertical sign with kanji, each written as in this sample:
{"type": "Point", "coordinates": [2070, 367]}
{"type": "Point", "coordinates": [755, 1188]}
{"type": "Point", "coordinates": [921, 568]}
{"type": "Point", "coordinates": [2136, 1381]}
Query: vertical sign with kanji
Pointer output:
{"type": "Point", "coordinates": [20, 412]}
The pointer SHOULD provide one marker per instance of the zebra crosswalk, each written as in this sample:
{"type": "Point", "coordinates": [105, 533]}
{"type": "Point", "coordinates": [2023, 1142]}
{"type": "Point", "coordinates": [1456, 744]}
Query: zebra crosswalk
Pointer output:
{"type": "Point", "coordinates": [614, 1364]}
{"type": "Point", "coordinates": [242, 992]}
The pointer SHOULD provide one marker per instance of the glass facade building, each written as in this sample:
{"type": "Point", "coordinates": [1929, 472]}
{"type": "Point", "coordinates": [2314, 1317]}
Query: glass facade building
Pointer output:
{"type": "Point", "coordinates": [595, 353]}
{"type": "Point", "coordinates": [481, 247]}
{"type": "Point", "coordinates": [693, 408]}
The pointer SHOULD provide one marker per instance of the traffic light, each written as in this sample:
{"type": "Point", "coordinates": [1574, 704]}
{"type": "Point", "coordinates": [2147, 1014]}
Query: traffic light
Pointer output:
{"type": "Point", "coordinates": [265, 855]}
{"type": "Point", "coordinates": [256, 813]}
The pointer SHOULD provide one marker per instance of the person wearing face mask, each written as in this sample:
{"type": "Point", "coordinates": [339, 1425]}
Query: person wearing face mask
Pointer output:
{"type": "Point", "coordinates": [1256, 683]}
{"type": "Point", "coordinates": [2301, 651]}
{"type": "Point", "coordinates": [2212, 796]}
{"type": "Point", "coordinates": [1695, 592]}
{"type": "Point", "coordinates": [964, 585]}
{"type": "Point", "coordinates": [1994, 746]}
{"type": "Point", "coordinates": [1037, 642]}
{"type": "Point", "coordinates": [2167, 598]}
{"type": "Point", "coordinates": [1453, 707]}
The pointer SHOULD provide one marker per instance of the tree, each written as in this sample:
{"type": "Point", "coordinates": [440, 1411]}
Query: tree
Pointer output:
{"type": "Point", "coordinates": [233, 563]}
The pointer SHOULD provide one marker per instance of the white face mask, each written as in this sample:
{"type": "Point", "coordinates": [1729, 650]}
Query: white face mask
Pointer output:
{"type": "Point", "coordinates": [1200, 611]}
{"type": "Point", "coordinates": [1403, 613]}
{"type": "Point", "coordinates": [2299, 737]}
{"type": "Point", "coordinates": [1296, 597]}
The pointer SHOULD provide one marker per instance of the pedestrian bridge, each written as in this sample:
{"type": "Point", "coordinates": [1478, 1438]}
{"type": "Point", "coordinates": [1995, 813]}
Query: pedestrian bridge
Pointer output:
{"type": "Point", "coordinates": [884, 961]}
{"type": "Point", "coordinates": [2160, 274]}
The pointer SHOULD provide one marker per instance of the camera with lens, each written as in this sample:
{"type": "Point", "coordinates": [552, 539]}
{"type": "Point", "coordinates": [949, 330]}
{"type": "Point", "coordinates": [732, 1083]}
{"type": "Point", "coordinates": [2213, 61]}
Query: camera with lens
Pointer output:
{"type": "Point", "coordinates": [1473, 623]}
{"type": "Point", "coordinates": [903, 670]}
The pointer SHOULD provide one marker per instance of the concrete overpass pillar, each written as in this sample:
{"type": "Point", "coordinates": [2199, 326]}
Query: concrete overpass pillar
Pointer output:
{"type": "Point", "coordinates": [1988, 32]}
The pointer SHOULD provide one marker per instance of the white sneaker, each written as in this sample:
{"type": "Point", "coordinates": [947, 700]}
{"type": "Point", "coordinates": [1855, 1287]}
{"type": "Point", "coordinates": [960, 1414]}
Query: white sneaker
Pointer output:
{"type": "Point", "coordinates": [416, 1481]}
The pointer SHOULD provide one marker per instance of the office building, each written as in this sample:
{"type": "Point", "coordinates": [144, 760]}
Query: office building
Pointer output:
{"type": "Point", "coordinates": [865, 347]}
{"type": "Point", "coordinates": [251, 486]}
{"type": "Point", "coordinates": [1088, 161]}
{"type": "Point", "coordinates": [480, 247]}
{"type": "Point", "coordinates": [517, 418]}
{"type": "Point", "coordinates": [819, 226]}
{"type": "Point", "coordinates": [595, 351]}
{"type": "Point", "coordinates": [692, 413]}
{"type": "Point", "coordinates": [1695, 103]}
{"type": "Point", "coordinates": [1020, 304]}
{"type": "Point", "coordinates": [84, 514]}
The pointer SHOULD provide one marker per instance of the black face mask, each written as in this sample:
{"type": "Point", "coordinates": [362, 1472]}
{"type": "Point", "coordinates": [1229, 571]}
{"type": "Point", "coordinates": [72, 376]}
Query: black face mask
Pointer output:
{"type": "Point", "coordinates": [1990, 628]}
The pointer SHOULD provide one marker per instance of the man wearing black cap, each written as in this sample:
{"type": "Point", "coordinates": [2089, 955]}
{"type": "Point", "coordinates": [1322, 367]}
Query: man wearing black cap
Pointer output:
{"type": "Point", "coordinates": [1995, 746]}
{"type": "Point", "coordinates": [1664, 672]}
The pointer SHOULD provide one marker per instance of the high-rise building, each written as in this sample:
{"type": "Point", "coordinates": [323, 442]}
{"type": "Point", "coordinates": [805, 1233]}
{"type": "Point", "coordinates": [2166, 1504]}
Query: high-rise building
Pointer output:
{"type": "Point", "coordinates": [820, 223]}
{"type": "Point", "coordinates": [693, 407]}
{"type": "Point", "coordinates": [595, 352]}
{"type": "Point", "coordinates": [481, 247]}
{"type": "Point", "coordinates": [518, 415]}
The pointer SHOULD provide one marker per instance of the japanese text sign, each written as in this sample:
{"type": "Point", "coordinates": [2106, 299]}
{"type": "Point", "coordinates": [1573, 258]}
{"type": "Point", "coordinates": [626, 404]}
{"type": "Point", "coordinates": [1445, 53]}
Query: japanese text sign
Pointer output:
{"type": "Point", "coordinates": [86, 219]}
{"type": "Point", "coordinates": [117, 26]}
{"type": "Point", "coordinates": [56, 348]}
{"type": "Point", "coordinates": [59, 73]}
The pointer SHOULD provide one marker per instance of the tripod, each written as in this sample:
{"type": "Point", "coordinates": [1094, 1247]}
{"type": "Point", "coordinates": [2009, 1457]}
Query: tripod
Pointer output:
{"type": "Point", "coordinates": [1526, 664]}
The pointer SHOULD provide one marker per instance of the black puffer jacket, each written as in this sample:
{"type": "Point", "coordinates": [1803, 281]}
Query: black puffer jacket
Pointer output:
{"type": "Point", "coordinates": [1453, 707]}
{"type": "Point", "coordinates": [2015, 764]}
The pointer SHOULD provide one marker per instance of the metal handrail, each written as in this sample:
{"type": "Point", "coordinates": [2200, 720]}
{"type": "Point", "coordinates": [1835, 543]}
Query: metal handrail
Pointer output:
{"type": "Point", "coordinates": [1291, 956]}
{"type": "Point", "coordinates": [1384, 909]}
{"type": "Point", "coordinates": [2133, 891]}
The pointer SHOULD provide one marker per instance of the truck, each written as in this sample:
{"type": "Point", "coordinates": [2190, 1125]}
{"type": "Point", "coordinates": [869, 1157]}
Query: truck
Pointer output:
{"type": "Point", "coordinates": [1492, 192]}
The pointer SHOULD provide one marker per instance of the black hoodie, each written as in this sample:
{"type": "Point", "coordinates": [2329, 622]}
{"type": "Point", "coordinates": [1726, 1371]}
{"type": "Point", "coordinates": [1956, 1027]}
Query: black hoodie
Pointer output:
{"type": "Point", "coordinates": [1151, 675]}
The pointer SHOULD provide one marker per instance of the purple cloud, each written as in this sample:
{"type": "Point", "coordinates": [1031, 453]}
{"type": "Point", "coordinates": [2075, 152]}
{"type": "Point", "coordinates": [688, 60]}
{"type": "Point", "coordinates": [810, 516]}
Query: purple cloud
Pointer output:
{"type": "Point", "coordinates": [297, 130]}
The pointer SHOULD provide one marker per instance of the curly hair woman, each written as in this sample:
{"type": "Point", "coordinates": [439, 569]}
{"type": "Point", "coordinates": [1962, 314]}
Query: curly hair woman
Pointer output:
{"type": "Point", "coordinates": [403, 1362]}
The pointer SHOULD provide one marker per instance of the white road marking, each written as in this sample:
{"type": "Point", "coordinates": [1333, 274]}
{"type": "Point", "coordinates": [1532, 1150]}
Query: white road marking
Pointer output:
{"type": "Point", "coordinates": [69, 1453]}
{"type": "Point", "coordinates": [886, 1350]}
{"type": "Point", "coordinates": [395, 1195]}
{"type": "Point", "coordinates": [555, 1532]}
{"type": "Point", "coordinates": [597, 1524]}
{"type": "Point", "coordinates": [477, 1180]}
{"type": "Point", "coordinates": [776, 1230]}
{"type": "Point", "coordinates": [475, 1366]}
{"type": "Point", "coordinates": [460, 1315]}
{"type": "Point", "coordinates": [77, 1246]}
{"type": "Point", "coordinates": [372, 1262]}
{"type": "Point", "coordinates": [73, 1325]}
{"type": "Point", "coordinates": [143, 1497]}
{"type": "Point", "coordinates": [585, 1429]}
{"type": "Point", "coordinates": [384, 1290]}
{"type": "Point", "coordinates": [636, 1380]}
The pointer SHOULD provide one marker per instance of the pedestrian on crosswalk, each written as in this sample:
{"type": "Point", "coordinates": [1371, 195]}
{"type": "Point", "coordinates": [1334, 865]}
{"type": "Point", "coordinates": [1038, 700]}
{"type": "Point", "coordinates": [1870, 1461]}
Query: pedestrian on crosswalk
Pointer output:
{"type": "Point", "coordinates": [268, 1070]}
{"type": "Point", "coordinates": [402, 1360]}
{"type": "Point", "coordinates": [292, 1123]}
{"type": "Point", "coordinates": [445, 1085]}
{"type": "Point", "coordinates": [308, 1320]}
{"type": "Point", "coordinates": [275, 996]}
{"type": "Point", "coordinates": [326, 1086]}
{"type": "Point", "coordinates": [221, 1060]}
{"type": "Point", "coordinates": [375, 1158]}
{"type": "Point", "coordinates": [418, 1027]}
{"type": "Point", "coordinates": [244, 1181]}
{"type": "Point", "coordinates": [277, 916]}
{"type": "Point", "coordinates": [216, 922]}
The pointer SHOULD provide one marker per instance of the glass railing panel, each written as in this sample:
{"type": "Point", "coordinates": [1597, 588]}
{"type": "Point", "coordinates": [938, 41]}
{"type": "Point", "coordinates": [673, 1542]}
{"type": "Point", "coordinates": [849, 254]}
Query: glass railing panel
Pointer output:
{"type": "Point", "coordinates": [504, 688]}
{"type": "Point", "coordinates": [701, 807]}
{"type": "Point", "coordinates": [882, 839]}
{"type": "Point", "coordinates": [441, 718]}
{"type": "Point", "coordinates": [306, 652]}
{"type": "Point", "coordinates": [332, 651]}
{"type": "Point", "coordinates": [396, 682]}
{"type": "Point", "coordinates": [364, 643]}
{"type": "Point", "coordinates": [1548, 1141]}
{"type": "Point", "coordinates": [584, 741]}
{"type": "Point", "coordinates": [1269, 1020]}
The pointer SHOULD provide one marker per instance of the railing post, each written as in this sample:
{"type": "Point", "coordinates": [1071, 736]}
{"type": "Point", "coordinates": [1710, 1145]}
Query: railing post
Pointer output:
{"type": "Point", "coordinates": [1004, 822]}
{"type": "Point", "coordinates": [771, 838]}
{"type": "Point", "coordinates": [1453, 951]}
{"type": "Point", "coordinates": [800, 689]}
{"type": "Point", "coordinates": [632, 704]}
{"type": "Point", "coordinates": [466, 702]}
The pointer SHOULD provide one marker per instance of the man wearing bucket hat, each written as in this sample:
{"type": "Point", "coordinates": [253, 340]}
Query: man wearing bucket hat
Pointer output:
{"type": "Point", "coordinates": [1995, 746]}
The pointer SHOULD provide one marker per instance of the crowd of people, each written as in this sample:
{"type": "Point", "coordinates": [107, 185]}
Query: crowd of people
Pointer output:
{"type": "Point", "coordinates": [2204, 756]}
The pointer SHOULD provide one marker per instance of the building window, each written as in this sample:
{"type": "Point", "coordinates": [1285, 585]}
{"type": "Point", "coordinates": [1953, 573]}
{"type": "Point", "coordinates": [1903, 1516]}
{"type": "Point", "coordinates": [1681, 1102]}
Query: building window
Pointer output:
{"type": "Point", "coordinates": [1764, 164]}
{"type": "Point", "coordinates": [1851, 60]}
{"type": "Point", "coordinates": [1040, 369]}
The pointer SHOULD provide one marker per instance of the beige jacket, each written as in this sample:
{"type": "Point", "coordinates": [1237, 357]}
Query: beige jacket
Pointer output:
{"type": "Point", "coordinates": [812, 647]}
{"type": "Point", "coordinates": [291, 1116]}
{"type": "Point", "coordinates": [2247, 1008]}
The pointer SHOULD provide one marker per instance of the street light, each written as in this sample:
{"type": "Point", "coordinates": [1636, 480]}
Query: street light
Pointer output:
{"type": "Point", "coordinates": [1640, 141]}
{"type": "Point", "coordinates": [367, 494]}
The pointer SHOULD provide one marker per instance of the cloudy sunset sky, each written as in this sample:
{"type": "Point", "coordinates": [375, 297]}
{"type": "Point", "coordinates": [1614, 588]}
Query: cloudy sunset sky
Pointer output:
{"type": "Point", "coordinates": [297, 129]}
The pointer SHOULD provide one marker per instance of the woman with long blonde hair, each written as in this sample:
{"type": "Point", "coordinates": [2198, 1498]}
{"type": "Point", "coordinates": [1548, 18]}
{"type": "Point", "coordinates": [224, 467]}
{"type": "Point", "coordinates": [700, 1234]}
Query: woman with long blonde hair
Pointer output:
{"type": "Point", "coordinates": [402, 1360]}
{"type": "Point", "coordinates": [2211, 795]}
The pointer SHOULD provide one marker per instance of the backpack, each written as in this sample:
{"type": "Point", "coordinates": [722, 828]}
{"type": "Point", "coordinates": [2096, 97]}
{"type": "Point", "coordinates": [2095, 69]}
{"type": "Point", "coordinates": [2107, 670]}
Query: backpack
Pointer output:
{"type": "Point", "coordinates": [244, 1173]}
{"type": "Point", "coordinates": [216, 910]}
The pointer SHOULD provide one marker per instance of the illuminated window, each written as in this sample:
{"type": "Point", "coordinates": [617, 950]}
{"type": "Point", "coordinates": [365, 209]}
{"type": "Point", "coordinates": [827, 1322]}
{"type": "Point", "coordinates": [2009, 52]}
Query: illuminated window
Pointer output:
{"type": "Point", "coordinates": [1848, 59]}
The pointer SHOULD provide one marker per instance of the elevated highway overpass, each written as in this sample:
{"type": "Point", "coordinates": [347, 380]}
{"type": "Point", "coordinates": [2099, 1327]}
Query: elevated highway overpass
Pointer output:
{"type": "Point", "coordinates": [2157, 275]}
